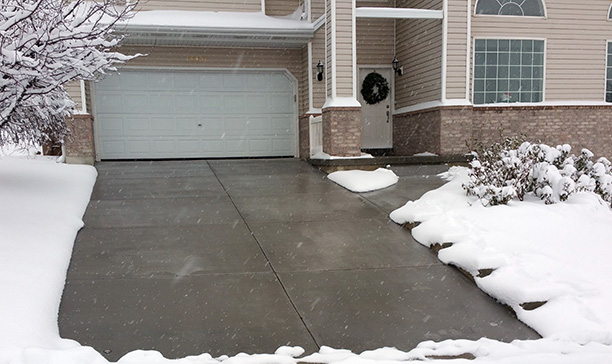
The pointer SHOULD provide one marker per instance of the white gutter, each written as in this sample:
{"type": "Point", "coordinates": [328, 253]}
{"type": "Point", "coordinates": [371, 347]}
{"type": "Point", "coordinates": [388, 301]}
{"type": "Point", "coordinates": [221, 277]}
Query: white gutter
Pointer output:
{"type": "Point", "coordinates": [398, 13]}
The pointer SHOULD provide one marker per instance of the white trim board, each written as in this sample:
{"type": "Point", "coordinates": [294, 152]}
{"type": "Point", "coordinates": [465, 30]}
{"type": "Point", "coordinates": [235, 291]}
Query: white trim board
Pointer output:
{"type": "Point", "coordinates": [398, 13]}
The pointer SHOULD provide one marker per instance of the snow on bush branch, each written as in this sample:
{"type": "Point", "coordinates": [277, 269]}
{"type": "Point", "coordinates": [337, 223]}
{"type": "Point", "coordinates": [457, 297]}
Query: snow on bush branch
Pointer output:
{"type": "Point", "coordinates": [512, 169]}
{"type": "Point", "coordinates": [44, 44]}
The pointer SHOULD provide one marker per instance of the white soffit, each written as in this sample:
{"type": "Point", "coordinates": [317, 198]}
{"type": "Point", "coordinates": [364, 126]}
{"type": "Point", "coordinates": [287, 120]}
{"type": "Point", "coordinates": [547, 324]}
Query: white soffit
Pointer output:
{"type": "Point", "coordinates": [398, 13]}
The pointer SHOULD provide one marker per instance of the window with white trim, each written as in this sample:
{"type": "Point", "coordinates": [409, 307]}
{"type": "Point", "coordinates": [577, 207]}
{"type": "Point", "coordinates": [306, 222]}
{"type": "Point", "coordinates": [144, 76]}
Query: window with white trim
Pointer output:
{"type": "Point", "coordinates": [609, 74]}
{"type": "Point", "coordinates": [508, 70]}
{"type": "Point", "coordinates": [510, 7]}
{"type": "Point", "coordinates": [610, 12]}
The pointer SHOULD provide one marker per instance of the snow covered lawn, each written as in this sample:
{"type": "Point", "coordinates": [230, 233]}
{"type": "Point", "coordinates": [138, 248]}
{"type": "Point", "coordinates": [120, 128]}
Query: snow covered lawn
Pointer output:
{"type": "Point", "coordinates": [557, 254]}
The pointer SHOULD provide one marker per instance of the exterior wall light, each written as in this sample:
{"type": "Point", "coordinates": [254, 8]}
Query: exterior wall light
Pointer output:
{"type": "Point", "coordinates": [320, 69]}
{"type": "Point", "coordinates": [396, 67]}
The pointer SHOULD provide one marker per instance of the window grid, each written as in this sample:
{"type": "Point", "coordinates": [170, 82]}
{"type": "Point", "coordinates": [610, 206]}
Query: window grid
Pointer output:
{"type": "Point", "coordinates": [508, 71]}
{"type": "Point", "coordinates": [609, 74]}
{"type": "Point", "coordinates": [510, 7]}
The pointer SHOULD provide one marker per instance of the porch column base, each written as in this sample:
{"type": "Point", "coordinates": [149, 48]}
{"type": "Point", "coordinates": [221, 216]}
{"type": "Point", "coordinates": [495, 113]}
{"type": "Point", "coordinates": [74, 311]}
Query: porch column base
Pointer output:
{"type": "Point", "coordinates": [79, 144]}
{"type": "Point", "coordinates": [342, 131]}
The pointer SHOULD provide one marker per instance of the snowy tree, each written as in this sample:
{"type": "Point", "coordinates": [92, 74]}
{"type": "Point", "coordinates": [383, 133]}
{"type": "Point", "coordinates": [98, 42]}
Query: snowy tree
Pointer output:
{"type": "Point", "coordinates": [44, 44]}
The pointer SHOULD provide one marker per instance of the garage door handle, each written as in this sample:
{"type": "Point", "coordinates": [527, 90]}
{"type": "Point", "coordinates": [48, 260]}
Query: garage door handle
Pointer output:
{"type": "Point", "coordinates": [199, 124]}
{"type": "Point", "coordinates": [387, 115]}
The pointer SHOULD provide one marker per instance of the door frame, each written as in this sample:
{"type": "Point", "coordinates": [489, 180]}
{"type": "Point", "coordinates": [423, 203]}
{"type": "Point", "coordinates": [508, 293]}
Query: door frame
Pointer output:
{"type": "Point", "coordinates": [284, 71]}
{"type": "Point", "coordinates": [360, 67]}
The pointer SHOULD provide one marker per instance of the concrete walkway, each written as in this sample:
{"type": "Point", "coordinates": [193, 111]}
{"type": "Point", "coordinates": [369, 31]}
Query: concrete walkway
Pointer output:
{"type": "Point", "coordinates": [223, 257]}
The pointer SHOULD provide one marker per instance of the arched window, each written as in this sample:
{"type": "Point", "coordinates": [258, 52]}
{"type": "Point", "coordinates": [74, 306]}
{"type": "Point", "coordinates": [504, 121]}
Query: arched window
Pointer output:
{"type": "Point", "coordinates": [510, 7]}
{"type": "Point", "coordinates": [610, 12]}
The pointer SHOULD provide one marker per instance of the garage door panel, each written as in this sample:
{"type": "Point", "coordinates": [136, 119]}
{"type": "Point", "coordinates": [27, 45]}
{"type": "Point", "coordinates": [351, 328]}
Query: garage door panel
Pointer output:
{"type": "Point", "coordinates": [131, 81]}
{"type": "Point", "coordinates": [236, 82]}
{"type": "Point", "coordinates": [162, 103]}
{"type": "Point", "coordinates": [187, 103]}
{"type": "Point", "coordinates": [162, 125]}
{"type": "Point", "coordinates": [259, 126]}
{"type": "Point", "coordinates": [279, 145]}
{"type": "Point", "coordinates": [280, 82]}
{"type": "Point", "coordinates": [211, 103]}
{"type": "Point", "coordinates": [168, 114]}
{"type": "Point", "coordinates": [281, 103]}
{"type": "Point", "coordinates": [185, 81]}
{"type": "Point", "coordinates": [210, 82]}
{"type": "Point", "coordinates": [110, 102]}
{"type": "Point", "coordinates": [139, 147]}
{"type": "Point", "coordinates": [258, 104]}
{"type": "Point", "coordinates": [259, 145]}
{"type": "Point", "coordinates": [259, 81]}
{"type": "Point", "coordinates": [282, 124]}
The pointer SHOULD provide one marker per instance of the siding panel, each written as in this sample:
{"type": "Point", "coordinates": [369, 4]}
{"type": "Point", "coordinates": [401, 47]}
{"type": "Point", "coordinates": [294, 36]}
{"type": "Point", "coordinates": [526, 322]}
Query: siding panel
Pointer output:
{"type": "Point", "coordinates": [419, 50]}
{"type": "Point", "coordinates": [199, 5]}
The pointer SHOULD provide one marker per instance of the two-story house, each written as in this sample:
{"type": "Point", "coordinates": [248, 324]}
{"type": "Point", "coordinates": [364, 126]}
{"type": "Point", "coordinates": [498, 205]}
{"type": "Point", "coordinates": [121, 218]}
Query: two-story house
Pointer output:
{"type": "Point", "coordinates": [262, 78]}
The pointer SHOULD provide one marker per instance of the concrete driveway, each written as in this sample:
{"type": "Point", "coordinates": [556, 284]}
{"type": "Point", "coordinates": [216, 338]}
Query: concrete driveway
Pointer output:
{"type": "Point", "coordinates": [229, 256]}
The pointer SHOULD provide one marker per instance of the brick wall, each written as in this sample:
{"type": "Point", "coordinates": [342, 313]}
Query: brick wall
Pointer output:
{"type": "Point", "coordinates": [580, 126]}
{"type": "Point", "coordinates": [80, 142]}
{"type": "Point", "coordinates": [304, 137]}
{"type": "Point", "coordinates": [342, 131]}
{"type": "Point", "coordinates": [417, 132]}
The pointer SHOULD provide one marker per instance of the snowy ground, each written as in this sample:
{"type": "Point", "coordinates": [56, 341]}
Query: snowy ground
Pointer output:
{"type": "Point", "coordinates": [552, 253]}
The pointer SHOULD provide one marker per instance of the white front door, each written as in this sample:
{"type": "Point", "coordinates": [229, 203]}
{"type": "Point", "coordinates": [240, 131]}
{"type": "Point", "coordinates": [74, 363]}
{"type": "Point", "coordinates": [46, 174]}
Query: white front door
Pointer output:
{"type": "Point", "coordinates": [376, 123]}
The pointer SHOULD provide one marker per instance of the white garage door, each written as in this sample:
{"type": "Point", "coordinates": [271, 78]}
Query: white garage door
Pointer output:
{"type": "Point", "coordinates": [183, 114]}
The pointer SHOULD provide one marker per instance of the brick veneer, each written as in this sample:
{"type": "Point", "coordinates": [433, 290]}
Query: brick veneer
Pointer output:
{"type": "Point", "coordinates": [304, 136]}
{"type": "Point", "coordinates": [447, 130]}
{"type": "Point", "coordinates": [342, 131]}
{"type": "Point", "coordinates": [79, 144]}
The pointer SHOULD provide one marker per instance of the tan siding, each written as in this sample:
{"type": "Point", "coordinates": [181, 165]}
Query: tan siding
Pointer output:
{"type": "Point", "coordinates": [217, 57]}
{"type": "Point", "coordinates": [576, 35]}
{"type": "Point", "coordinates": [201, 5]}
{"type": "Point", "coordinates": [457, 49]}
{"type": "Point", "coordinates": [419, 50]}
{"type": "Point", "coordinates": [74, 91]}
{"type": "Point", "coordinates": [317, 8]}
{"type": "Point", "coordinates": [374, 41]}
{"type": "Point", "coordinates": [318, 53]}
{"type": "Point", "coordinates": [344, 48]}
{"type": "Point", "coordinates": [303, 83]}
{"type": "Point", "coordinates": [282, 7]}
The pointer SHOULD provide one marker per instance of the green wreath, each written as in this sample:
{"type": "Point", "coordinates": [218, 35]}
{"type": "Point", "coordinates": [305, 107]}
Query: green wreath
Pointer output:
{"type": "Point", "coordinates": [375, 88]}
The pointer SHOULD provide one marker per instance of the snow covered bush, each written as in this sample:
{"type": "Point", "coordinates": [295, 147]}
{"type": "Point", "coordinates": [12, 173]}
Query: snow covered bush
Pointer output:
{"type": "Point", "coordinates": [43, 45]}
{"type": "Point", "coordinates": [511, 169]}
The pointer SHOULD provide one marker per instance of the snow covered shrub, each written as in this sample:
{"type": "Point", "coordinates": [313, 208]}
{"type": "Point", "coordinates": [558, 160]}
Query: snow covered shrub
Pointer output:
{"type": "Point", "coordinates": [45, 44]}
{"type": "Point", "coordinates": [506, 171]}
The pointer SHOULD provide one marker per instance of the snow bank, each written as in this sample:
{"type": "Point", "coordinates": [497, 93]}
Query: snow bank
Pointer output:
{"type": "Point", "coordinates": [42, 206]}
{"type": "Point", "coordinates": [558, 254]}
{"type": "Point", "coordinates": [325, 156]}
{"type": "Point", "coordinates": [364, 181]}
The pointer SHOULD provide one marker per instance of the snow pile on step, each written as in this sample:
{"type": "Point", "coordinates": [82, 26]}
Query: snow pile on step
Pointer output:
{"type": "Point", "coordinates": [364, 181]}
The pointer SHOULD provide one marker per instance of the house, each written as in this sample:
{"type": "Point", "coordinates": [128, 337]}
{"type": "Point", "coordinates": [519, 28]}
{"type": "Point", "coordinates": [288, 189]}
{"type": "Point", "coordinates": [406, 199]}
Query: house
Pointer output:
{"type": "Point", "coordinates": [225, 78]}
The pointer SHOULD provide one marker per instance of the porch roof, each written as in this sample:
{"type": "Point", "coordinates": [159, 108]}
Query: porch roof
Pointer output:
{"type": "Point", "coordinates": [211, 28]}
